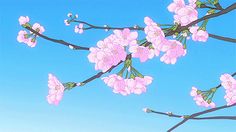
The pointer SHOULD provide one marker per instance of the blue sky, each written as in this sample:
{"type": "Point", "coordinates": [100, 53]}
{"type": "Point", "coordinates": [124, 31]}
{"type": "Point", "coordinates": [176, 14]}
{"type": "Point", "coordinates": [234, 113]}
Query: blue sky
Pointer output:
{"type": "Point", "coordinates": [24, 71]}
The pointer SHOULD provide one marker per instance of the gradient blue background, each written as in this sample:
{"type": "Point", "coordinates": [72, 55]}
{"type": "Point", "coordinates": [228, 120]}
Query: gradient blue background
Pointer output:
{"type": "Point", "coordinates": [94, 108]}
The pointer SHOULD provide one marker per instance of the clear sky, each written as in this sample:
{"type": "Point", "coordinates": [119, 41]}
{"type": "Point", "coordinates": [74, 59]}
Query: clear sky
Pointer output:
{"type": "Point", "coordinates": [93, 107]}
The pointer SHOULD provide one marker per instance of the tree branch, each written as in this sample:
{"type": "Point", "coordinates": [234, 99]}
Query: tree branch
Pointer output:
{"type": "Point", "coordinates": [222, 38]}
{"type": "Point", "coordinates": [198, 114]}
{"type": "Point", "coordinates": [58, 41]}
{"type": "Point", "coordinates": [91, 26]}
{"type": "Point", "coordinates": [170, 114]}
{"type": "Point", "coordinates": [179, 29]}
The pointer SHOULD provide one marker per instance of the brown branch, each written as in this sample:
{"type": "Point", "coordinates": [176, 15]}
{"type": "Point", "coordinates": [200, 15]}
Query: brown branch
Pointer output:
{"type": "Point", "coordinates": [76, 47]}
{"type": "Point", "coordinates": [222, 38]}
{"type": "Point", "coordinates": [209, 7]}
{"type": "Point", "coordinates": [91, 26]}
{"type": "Point", "coordinates": [198, 114]}
{"type": "Point", "coordinates": [216, 118]}
{"type": "Point", "coordinates": [170, 114]}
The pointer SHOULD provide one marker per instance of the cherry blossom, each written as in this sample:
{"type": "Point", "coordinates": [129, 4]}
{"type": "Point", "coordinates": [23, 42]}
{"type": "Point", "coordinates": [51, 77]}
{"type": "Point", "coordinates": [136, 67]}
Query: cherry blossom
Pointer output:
{"type": "Point", "coordinates": [22, 36]}
{"type": "Point", "coordinates": [229, 83]}
{"type": "Point", "coordinates": [126, 37]}
{"type": "Point", "coordinates": [108, 53]}
{"type": "Point", "coordinates": [118, 84]}
{"type": "Point", "coordinates": [66, 21]}
{"type": "Point", "coordinates": [199, 99]}
{"type": "Point", "coordinates": [127, 86]}
{"type": "Point", "coordinates": [147, 110]}
{"type": "Point", "coordinates": [154, 33]}
{"type": "Point", "coordinates": [141, 52]}
{"type": "Point", "coordinates": [192, 3]}
{"type": "Point", "coordinates": [198, 35]}
{"type": "Point", "coordinates": [176, 5]}
{"type": "Point", "coordinates": [31, 42]}
{"type": "Point", "coordinates": [56, 90]}
{"type": "Point", "coordinates": [69, 14]}
{"type": "Point", "coordinates": [38, 28]}
{"type": "Point", "coordinates": [175, 50]}
{"type": "Point", "coordinates": [79, 28]}
{"type": "Point", "coordinates": [23, 20]}
{"type": "Point", "coordinates": [185, 15]}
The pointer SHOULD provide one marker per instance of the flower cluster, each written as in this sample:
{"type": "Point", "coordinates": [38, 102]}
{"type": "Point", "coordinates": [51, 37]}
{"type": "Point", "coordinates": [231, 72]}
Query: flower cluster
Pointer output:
{"type": "Point", "coordinates": [79, 28]}
{"type": "Point", "coordinates": [56, 90]}
{"type": "Point", "coordinates": [229, 83]}
{"type": "Point", "coordinates": [111, 50]}
{"type": "Point", "coordinates": [70, 15]}
{"type": "Point", "coordinates": [125, 87]}
{"type": "Point", "coordinates": [29, 38]}
{"type": "Point", "coordinates": [198, 34]}
{"type": "Point", "coordinates": [184, 14]}
{"type": "Point", "coordinates": [172, 49]}
{"type": "Point", "coordinates": [201, 99]}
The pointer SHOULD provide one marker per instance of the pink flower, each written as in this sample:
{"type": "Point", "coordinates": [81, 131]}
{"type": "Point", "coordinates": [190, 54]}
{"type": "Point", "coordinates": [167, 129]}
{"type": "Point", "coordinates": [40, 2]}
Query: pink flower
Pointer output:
{"type": "Point", "coordinates": [185, 15]}
{"type": "Point", "coordinates": [175, 51]}
{"type": "Point", "coordinates": [147, 110]}
{"type": "Point", "coordinates": [154, 33]}
{"type": "Point", "coordinates": [229, 83]}
{"type": "Point", "coordinates": [31, 42]}
{"type": "Point", "coordinates": [23, 20]}
{"type": "Point", "coordinates": [22, 36]}
{"type": "Point", "coordinates": [192, 3]}
{"type": "Point", "coordinates": [141, 84]}
{"type": "Point", "coordinates": [117, 83]}
{"type": "Point", "coordinates": [37, 27]}
{"type": "Point", "coordinates": [79, 28]}
{"type": "Point", "coordinates": [127, 86]}
{"type": "Point", "coordinates": [199, 99]}
{"type": "Point", "coordinates": [67, 23]}
{"type": "Point", "coordinates": [56, 90]}
{"type": "Point", "coordinates": [108, 53]}
{"type": "Point", "coordinates": [126, 37]}
{"type": "Point", "coordinates": [69, 15]}
{"type": "Point", "coordinates": [141, 52]}
{"type": "Point", "coordinates": [198, 35]}
{"type": "Point", "coordinates": [177, 4]}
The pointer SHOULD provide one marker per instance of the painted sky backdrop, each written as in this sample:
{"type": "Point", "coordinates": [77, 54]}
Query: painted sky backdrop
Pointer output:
{"type": "Point", "coordinates": [93, 107]}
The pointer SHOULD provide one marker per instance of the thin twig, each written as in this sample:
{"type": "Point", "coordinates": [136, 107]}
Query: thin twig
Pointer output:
{"type": "Point", "coordinates": [76, 47]}
{"type": "Point", "coordinates": [170, 114]}
{"type": "Point", "coordinates": [198, 114]}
